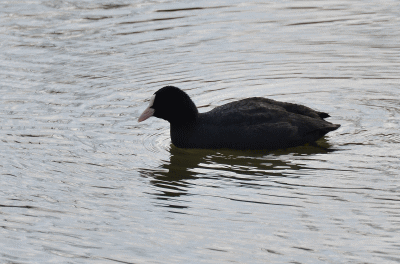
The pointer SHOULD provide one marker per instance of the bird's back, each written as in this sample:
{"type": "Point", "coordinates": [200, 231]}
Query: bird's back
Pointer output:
{"type": "Point", "coordinates": [257, 123]}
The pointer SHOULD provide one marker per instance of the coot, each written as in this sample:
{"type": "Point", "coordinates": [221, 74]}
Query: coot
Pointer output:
{"type": "Point", "coordinates": [248, 124]}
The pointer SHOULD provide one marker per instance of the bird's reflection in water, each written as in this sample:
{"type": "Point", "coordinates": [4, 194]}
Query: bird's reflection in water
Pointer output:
{"type": "Point", "coordinates": [173, 179]}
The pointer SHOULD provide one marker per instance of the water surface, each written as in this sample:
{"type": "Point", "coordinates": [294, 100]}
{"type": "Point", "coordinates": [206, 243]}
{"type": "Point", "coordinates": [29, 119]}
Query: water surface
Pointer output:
{"type": "Point", "coordinates": [83, 182]}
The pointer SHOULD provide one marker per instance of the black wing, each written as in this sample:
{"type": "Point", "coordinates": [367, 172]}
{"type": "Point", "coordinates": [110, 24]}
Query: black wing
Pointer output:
{"type": "Point", "coordinates": [259, 110]}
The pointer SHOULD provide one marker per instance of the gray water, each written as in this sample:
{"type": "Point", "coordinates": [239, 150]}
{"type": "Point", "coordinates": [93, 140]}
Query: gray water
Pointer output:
{"type": "Point", "coordinates": [83, 182]}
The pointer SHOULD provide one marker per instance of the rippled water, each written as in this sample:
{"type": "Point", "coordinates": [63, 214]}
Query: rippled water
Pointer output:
{"type": "Point", "coordinates": [83, 182]}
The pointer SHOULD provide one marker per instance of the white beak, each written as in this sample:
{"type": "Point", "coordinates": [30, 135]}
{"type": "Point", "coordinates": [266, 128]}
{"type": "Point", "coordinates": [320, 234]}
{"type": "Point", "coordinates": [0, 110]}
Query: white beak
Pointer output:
{"type": "Point", "coordinates": [148, 112]}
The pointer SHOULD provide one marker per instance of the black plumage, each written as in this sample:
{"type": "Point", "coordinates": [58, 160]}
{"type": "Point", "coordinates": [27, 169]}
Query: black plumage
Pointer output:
{"type": "Point", "coordinates": [252, 123]}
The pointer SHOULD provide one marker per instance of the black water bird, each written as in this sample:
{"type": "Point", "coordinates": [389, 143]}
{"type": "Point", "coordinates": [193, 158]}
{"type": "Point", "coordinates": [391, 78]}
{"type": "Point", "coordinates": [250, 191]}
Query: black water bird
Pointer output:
{"type": "Point", "coordinates": [250, 124]}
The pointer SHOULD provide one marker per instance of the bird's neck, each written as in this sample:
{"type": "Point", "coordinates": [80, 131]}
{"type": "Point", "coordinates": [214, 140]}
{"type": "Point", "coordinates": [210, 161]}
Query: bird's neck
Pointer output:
{"type": "Point", "coordinates": [181, 133]}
